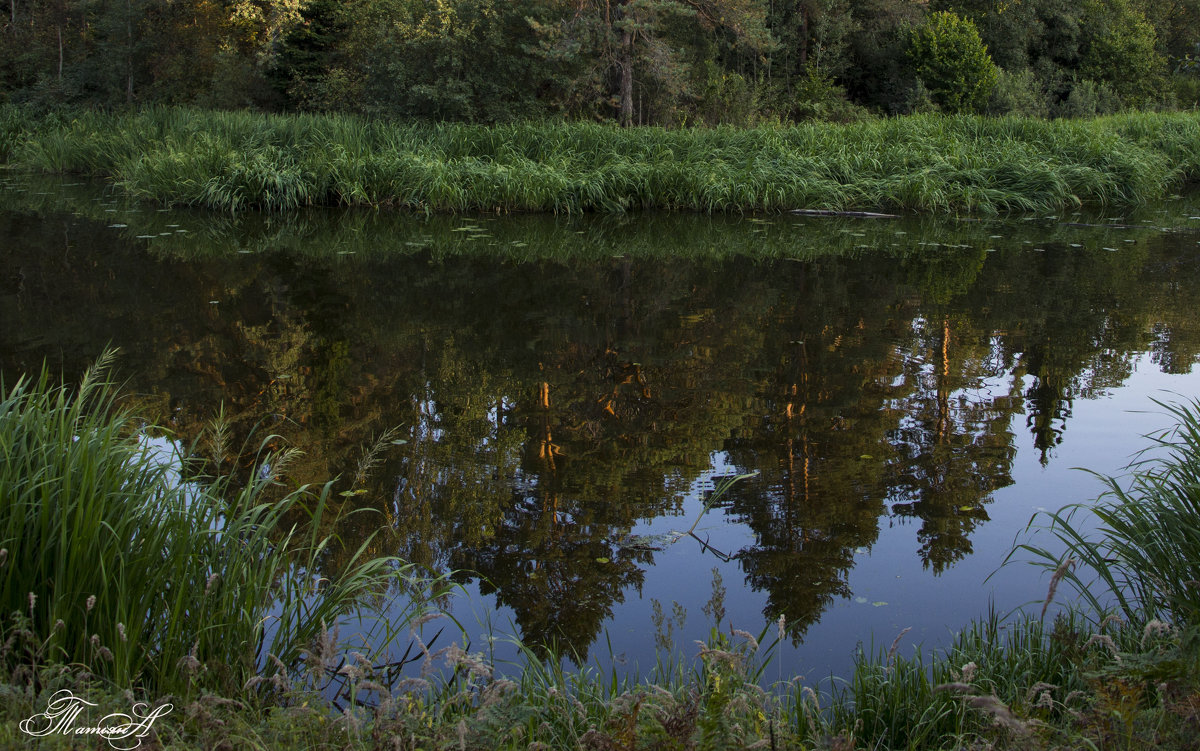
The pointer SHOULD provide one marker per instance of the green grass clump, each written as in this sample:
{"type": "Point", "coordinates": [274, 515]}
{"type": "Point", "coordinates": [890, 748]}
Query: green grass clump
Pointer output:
{"type": "Point", "coordinates": [1137, 549]}
{"type": "Point", "coordinates": [236, 160]}
{"type": "Point", "coordinates": [110, 559]}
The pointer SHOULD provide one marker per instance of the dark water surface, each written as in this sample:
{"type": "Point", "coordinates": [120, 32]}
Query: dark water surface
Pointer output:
{"type": "Point", "coordinates": [567, 391]}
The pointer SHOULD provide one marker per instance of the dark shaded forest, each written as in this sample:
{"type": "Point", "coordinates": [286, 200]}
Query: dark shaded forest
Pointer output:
{"type": "Point", "coordinates": [653, 62]}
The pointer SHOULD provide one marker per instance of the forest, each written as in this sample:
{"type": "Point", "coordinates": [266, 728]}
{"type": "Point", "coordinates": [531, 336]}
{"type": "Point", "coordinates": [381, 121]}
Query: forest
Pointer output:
{"type": "Point", "coordinates": [635, 62]}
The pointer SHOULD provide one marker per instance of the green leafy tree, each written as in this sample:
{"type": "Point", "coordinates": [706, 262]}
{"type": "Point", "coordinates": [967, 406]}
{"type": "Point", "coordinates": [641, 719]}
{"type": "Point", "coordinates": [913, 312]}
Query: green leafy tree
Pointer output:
{"type": "Point", "coordinates": [1120, 50]}
{"type": "Point", "coordinates": [953, 62]}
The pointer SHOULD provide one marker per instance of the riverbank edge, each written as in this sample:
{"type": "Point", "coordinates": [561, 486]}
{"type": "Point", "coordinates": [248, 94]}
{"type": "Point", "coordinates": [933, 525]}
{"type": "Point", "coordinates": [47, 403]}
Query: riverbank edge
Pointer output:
{"type": "Point", "coordinates": [1021, 685]}
{"type": "Point", "coordinates": [232, 161]}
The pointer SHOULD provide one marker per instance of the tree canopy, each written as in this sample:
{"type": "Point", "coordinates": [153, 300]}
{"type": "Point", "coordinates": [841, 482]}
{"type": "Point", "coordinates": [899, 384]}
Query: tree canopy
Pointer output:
{"type": "Point", "coordinates": [657, 62]}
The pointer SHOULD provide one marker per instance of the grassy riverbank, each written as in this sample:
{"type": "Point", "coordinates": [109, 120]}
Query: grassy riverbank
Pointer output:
{"type": "Point", "coordinates": [120, 581]}
{"type": "Point", "coordinates": [235, 160]}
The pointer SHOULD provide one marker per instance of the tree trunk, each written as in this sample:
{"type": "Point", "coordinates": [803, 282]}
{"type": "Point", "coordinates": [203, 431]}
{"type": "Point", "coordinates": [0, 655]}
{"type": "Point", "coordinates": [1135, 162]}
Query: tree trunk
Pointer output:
{"type": "Point", "coordinates": [803, 37]}
{"type": "Point", "coordinates": [626, 78]}
{"type": "Point", "coordinates": [129, 52]}
{"type": "Point", "coordinates": [60, 54]}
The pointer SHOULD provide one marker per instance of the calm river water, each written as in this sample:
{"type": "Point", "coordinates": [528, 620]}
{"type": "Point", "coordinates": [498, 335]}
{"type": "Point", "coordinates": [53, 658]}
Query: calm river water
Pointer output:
{"type": "Point", "coordinates": [566, 392]}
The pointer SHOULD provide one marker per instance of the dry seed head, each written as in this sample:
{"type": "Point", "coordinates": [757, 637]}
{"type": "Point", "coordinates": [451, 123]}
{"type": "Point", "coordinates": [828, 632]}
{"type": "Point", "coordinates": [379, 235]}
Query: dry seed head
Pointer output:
{"type": "Point", "coordinates": [968, 672]}
{"type": "Point", "coordinates": [1105, 640]}
{"type": "Point", "coordinates": [95, 641]}
{"type": "Point", "coordinates": [121, 632]}
{"type": "Point", "coordinates": [278, 663]}
{"type": "Point", "coordinates": [747, 636]}
{"type": "Point", "coordinates": [1045, 701]}
{"type": "Point", "coordinates": [412, 685]}
{"type": "Point", "coordinates": [352, 672]}
{"type": "Point", "coordinates": [496, 691]}
{"type": "Point", "coordinates": [896, 644]}
{"type": "Point", "coordinates": [362, 661]}
{"type": "Point", "coordinates": [456, 656]}
{"type": "Point", "coordinates": [721, 656]}
{"type": "Point", "coordinates": [1037, 688]}
{"type": "Point", "coordinates": [3, 556]}
{"type": "Point", "coordinates": [421, 621]}
{"type": "Point", "coordinates": [91, 603]}
{"type": "Point", "coordinates": [1111, 619]}
{"type": "Point", "coordinates": [781, 625]}
{"type": "Point", "coordinates": [59, 625]}
{"type": "Point", "coordinates": [212, 579]}
{"type": "Point", "coordinates": [32, 601]}
{"type": "Point", "coordinates": [1059, 573]}
{"type": "Point", "coordinates": [808, 694]}
{"type": "Point", "coordinates": [1155, 628]}
{"type": "Point", "coordinates": [956, 686]}
{"type": "Point", "coordinates": [189, 664]}
{"type": "Point", "coordinates": [104, 654]}
{"type": "Point", "coordinates": [999, 711]}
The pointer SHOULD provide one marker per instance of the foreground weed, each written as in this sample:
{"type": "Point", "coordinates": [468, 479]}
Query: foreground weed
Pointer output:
{"type": "Point", "coordinates": [119, 562]}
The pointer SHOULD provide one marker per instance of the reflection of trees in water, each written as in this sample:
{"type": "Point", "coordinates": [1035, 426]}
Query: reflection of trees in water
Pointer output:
{"type": "Point", "coordinates": [548, 407]}
{"type": "Point", "coordinates": [819, 441]}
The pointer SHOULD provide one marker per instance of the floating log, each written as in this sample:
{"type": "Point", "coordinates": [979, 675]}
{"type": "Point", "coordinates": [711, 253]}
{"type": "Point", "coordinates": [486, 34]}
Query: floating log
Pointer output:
{"type": "Point", "coordinates": [856, 214]}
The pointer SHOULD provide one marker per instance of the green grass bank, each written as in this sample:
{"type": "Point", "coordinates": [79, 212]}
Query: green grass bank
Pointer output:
{"type": "Point", "coordinates": [120, 581]}
{"type": "Point", "coordinates": [237, 160]}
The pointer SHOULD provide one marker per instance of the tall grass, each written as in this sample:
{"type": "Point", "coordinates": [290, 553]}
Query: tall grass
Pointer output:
{"type": "Point", "coordinates": [231, 161]}
{"type": "Point", "coordinates": [1138, 548]}
{"type": "Point", "coordinates": [110, 559]}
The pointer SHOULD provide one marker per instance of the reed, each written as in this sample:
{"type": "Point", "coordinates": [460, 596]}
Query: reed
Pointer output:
{"type": "Point", "coordinates": [236, 160]}
{"type": "Point", "coordinates": [114, 560]}
{"type": "Point", "coordinates": [1137, 549]}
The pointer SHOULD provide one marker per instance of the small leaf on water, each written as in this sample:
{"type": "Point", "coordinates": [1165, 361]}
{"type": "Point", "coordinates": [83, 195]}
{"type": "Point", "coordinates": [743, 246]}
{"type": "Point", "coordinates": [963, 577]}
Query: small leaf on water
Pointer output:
{"type": "Point", "coordinates": [866, 456]}
{"type": "Point", "coordinates": [861, 600]}
{"type": "Point", "coordinates": [966, 508]}
{"type": "Point", "coordinates": [601, 560]}
{"type": "Point", "coordinates": [351, 493]}
{"type": "Point", "coordinates": [399, 442]}
{"type": "Point", "coordinates": [117, 226]}
{"type": "Point", "coordinates": [879, 603]}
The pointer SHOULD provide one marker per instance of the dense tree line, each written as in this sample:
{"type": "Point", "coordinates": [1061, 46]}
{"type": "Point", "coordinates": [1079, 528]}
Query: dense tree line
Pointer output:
{"type": "Point", "coordinates": [667, 62]}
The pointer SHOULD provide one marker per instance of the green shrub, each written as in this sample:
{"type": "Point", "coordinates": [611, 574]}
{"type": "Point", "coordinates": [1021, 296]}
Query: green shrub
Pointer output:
{"type": "Point", "coordinates": [1087, 98]}
{"type": "Point", "coordinates": [1017, 93]}
{"type": "Point", "coordinates": [951, 60]}
{"type": "Point", "coordinates": [1120, 49]}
